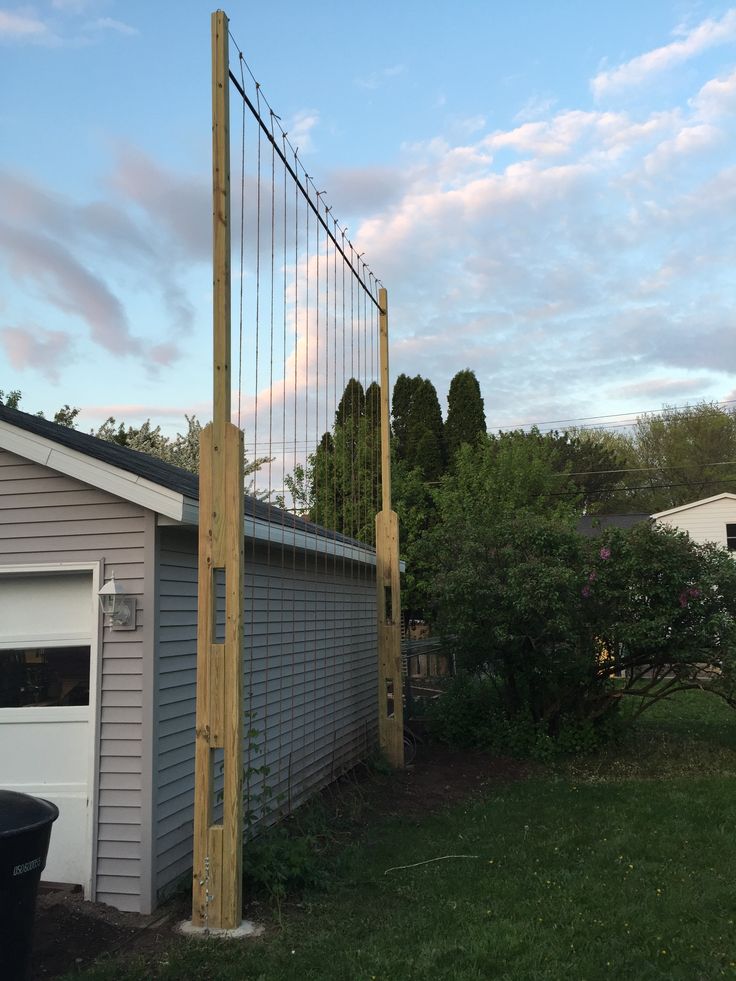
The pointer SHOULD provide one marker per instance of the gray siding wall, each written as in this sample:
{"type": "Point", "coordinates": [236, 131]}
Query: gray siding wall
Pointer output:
{"type": "Point", "coordinates": [46, 517]}
{"type": "Point", "coordinates": [310, 683]}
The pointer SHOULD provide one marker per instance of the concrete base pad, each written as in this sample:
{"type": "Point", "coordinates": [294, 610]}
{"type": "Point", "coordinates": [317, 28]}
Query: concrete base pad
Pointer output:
{"type": "Point", "coordinates": [246, 929]}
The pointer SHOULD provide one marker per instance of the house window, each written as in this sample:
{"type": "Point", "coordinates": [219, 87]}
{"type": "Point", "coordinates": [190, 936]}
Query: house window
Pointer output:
{"type": "Point", "coordinates": [44, 676]}
{"type": "Point", "coordinates": [731, 538]}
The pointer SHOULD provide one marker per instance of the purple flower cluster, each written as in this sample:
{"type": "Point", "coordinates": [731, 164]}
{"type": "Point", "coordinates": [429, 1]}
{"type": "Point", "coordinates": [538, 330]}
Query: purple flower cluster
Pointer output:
{"type": "Point", "coordinates": [687, 594]}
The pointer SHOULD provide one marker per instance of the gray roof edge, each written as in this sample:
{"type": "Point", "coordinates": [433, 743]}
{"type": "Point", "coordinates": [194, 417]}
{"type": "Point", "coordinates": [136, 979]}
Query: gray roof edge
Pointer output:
{"type": "Point", "coordinates": [163, 474]}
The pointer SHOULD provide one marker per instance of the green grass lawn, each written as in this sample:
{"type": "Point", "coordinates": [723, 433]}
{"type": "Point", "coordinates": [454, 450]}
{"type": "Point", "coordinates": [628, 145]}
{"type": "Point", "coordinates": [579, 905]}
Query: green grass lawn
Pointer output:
{"type": "Point", "coordinates": [618, 866]}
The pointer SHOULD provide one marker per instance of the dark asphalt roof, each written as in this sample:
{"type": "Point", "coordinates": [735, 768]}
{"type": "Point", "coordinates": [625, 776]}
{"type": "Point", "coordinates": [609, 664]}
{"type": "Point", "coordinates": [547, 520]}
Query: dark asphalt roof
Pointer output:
{"type": "Point", "coordinates": [157, 471]}
{"type": "Point", "coordinates": [592, 525]}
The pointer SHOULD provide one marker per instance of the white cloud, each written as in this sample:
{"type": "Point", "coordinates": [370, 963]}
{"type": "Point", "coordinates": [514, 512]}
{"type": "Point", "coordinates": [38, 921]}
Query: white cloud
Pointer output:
{"type": "Point", "coordinates": [74, 6]}
{"type": "Point", "coordinates": [688, 141]}
{"type": "Point", "coordinates": [110, 24]}
{"type": "Point", "coordinates": [299, 129]}
{"type": "Point", "coordinates": [638, 70]}
{"type": "Point", "coordinates": [546, 255]}
{"type": "Point", "coordinates": [379, 78]}
{"type": "Point", "coordinates": [717, 97]}
{"type": "Point", "coordinates": [652, 388]}
{"type": "Point", "coordinates": [21, 26]}
{"type": "Point", "coordinates": [534, 107]}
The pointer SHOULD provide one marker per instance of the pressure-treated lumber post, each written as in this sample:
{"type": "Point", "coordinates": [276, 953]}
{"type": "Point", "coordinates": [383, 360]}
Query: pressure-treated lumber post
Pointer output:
{"type": "Point", "coordinates": [218, 848]}
{"type": "Point", "coordinates": [390, 701]}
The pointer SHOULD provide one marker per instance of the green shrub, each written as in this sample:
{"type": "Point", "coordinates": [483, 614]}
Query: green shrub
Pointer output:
{"type": "Point", "coordinates": [282, 861]}
{"type": "Point", "coordinates": [471, 714]}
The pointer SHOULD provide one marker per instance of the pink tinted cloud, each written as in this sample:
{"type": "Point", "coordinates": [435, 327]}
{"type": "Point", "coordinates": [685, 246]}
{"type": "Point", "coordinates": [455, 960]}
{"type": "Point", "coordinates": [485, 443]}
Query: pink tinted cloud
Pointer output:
{"type": "Point", "coordinates": [181, 203]}
{"type": "Point", "coordinates": [45, 351]}
{"type": "Point", "coordinates": [165, 354]}
{"type": "Point", "coordinates": [21, 26]}
{"type": "Point", "coordinates": [69, 286]}
{"type": "Point", "coordinates": [660, 388]}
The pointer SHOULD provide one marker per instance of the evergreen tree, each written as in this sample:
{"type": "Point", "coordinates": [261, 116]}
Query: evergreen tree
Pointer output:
{"type": "Point", "coordinates": [425, 431]}
{"type": "Point", "coordinates": [466, 419]}
{"type": "Point", "coordinates": [401, 401]}
{"type": "Point", "coordinates": [373, 404]}
{"type": "Point", "coordinates": [352, 404]}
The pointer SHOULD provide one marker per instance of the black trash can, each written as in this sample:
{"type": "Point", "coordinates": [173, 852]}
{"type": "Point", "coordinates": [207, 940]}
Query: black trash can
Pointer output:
{"type": "Point", "coordinates": [25, 830]}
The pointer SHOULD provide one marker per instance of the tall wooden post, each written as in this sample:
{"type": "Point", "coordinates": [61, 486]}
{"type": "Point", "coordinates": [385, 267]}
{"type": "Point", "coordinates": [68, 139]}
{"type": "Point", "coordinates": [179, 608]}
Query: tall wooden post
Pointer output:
{"type": "Point", "coordinates": [218, 847]}
{"type": "Point", "coordinates": [390, 702]}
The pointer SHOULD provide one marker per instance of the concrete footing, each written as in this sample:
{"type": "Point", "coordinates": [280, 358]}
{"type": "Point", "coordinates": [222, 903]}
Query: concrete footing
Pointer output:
{"type": "Point", "coordinates": [246, 929]}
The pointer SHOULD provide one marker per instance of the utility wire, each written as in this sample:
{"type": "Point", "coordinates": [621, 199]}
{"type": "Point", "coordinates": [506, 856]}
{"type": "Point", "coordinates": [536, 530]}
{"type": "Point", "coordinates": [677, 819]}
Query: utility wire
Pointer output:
{"type": "Point", "coordinates": [609, 415]}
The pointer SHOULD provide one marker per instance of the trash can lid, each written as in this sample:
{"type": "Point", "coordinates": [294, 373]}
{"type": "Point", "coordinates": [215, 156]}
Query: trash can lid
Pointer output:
{"type": "Point", "coordinates": [21, 812]}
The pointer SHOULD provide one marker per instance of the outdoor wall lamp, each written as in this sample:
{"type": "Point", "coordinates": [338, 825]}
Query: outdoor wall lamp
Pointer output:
{"type": "Point", "coordinates": [117, 605]}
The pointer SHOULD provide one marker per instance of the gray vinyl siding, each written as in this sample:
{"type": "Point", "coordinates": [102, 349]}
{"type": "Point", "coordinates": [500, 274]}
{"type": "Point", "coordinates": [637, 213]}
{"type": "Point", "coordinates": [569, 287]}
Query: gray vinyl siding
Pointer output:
{"type": "Point", "coordinates": [46, 517]}
{"type": "Point", "coordinates": [310, 683]}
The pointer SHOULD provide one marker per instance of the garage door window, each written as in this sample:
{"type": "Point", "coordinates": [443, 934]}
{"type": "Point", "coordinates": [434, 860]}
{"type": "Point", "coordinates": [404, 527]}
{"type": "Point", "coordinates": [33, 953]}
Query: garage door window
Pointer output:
{"type": "Point", "coordinates": [44, 676]}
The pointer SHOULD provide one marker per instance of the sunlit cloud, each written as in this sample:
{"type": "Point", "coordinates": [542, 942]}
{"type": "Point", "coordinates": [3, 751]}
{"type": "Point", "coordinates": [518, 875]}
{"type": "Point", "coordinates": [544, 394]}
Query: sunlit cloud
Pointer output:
{"type": "Point", "coordinates": [21, 26]}
{"type": "Point", "coordinates": [110, 24]}
{"type": "Point", "coordinates": [379, 78]}
{"type": "Point", "coordinates": [34, 348]}
{"type": "Point", "coordinates": [640, 69]}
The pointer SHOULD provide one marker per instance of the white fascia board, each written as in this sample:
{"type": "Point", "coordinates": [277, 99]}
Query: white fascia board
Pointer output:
{"type": "Point", "coordinates": [104, 476]}
{"type": "Point", "coordinates": [694, 504]}
{"type": "Point", "coordinates": [266, 531]}
{"type": "Point", "coordinates": [276, 534]}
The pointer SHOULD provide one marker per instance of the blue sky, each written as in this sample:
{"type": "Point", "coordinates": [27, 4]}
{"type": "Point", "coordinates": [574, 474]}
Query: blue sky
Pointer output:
{"type": "Point", "coordinates": [548, 190]}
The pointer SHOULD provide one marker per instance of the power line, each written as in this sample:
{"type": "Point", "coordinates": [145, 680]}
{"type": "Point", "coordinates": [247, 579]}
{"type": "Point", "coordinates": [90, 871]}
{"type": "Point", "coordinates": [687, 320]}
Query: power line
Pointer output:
{"type": "Point", "coordinates": [644, 487]}
{"type": "Point", "coordinates": [634, 413]}
{"type": "Point", "coordinates": [683, 466]}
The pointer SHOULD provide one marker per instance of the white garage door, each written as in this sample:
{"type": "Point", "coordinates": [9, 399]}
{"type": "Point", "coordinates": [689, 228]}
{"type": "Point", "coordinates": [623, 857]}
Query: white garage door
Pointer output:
{"type": "Point", "coordinates": [47, 626]}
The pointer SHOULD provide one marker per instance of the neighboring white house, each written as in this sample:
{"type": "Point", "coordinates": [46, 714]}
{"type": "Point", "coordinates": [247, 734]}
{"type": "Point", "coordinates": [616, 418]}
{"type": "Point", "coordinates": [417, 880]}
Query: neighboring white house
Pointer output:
{"type": "Point", "coordinates": [712, 519]}
{"type": "Point", "coordinates": [99, 718]}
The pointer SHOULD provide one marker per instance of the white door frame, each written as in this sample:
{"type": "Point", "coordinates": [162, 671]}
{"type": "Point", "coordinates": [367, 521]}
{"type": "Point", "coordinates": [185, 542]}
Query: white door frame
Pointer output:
{"type": "Point", "coordinates": [95, 676]}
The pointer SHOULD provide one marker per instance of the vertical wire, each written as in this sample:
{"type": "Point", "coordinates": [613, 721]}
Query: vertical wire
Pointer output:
{"type": "Point", "coordinates": [283, 353]}
{"type": "Point", "coordinates": [296, 739]}
{"type": "Point", "coordinates": [258, 282]}
{"type": "Point", "coordinates": [307, 261]}
{"type": "Point", "coordinates": [355, 372]}
{"type": "Point", "coordinates": [319, 479]}
{"type": "Point", "coordinates": [242, 248]}
{"type": "Point", "coordinates": [271, 315]}
{"type": "Point", "coordinates": [307, 619]}
{"type": "Point", "coordinates": [284, 660]}
{"type": "Point", "coordinates": [256, 725]}
{"type": "Point", "coordinates": [336, 512]}
{"type": "Point", "coordinates": [327, 359]}
{"type": "Point", "coordinates": [269, 611]}
{"type": "Point", "coordinates": [329, 404]}
{"type": "Point", "coordinates": [375, 340]}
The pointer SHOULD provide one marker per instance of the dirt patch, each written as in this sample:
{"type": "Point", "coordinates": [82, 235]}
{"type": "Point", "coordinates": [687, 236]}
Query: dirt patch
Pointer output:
{"type": "Point", "coordinates": [71, 934]}
{"type": "Point", "coordinates": [440, 777]}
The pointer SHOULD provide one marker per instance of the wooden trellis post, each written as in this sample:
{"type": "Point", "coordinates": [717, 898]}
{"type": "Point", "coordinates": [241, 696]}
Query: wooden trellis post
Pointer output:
{"type": "Point", "coordinates": [218, 847]}
{"type": "Point", "coordinates": [390, 701]}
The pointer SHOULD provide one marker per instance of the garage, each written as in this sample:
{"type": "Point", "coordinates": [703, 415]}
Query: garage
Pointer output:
{"type": "Point", "coordinates": [48, 660]}
{"type": "Point", "coordinates": [97, 713]}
